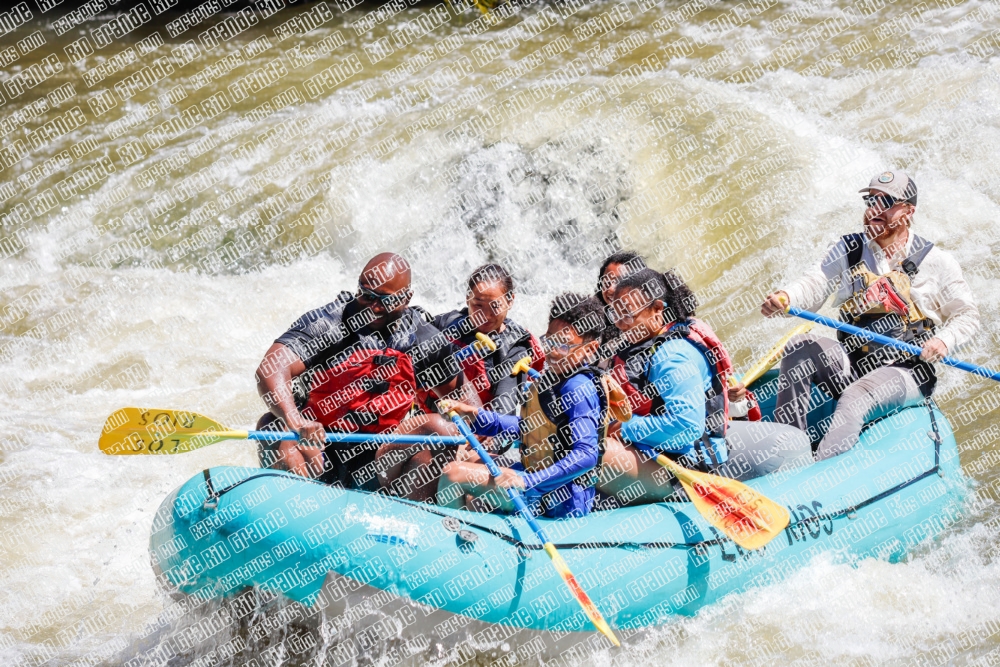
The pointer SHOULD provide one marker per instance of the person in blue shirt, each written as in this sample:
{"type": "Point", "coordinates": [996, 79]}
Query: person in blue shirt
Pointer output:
{"type": "Point", "coordinates": [561, 429]}
{"type": "Point", "coordinates": [676, 373]}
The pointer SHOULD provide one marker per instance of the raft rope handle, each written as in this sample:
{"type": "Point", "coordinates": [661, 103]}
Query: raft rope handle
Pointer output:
{"type": "Point", "coordinates": [595, 545]}
{"type": "Point", "coordinates": [902, 485]}
{"type": "Point", "coordinates": [486, 529]}
{"type": "Point", "coordinates": [931, 407]}
{"type": "Point", "coordinates": [212, 501]}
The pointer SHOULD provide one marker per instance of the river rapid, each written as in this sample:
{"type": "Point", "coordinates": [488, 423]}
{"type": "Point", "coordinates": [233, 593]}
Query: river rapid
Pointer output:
{"type": "Point", "coordinates": [170, 204]}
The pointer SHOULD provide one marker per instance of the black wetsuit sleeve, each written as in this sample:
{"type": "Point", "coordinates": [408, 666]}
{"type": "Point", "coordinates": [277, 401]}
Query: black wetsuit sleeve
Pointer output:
{"type": "Point", "coordinates": [314, 336]}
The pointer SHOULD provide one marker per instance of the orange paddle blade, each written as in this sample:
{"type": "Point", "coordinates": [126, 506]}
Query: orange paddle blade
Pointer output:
{"type": "Point", "coordinates": [746, 516]}
{"type": "Point", "coordinates": [589, 608]}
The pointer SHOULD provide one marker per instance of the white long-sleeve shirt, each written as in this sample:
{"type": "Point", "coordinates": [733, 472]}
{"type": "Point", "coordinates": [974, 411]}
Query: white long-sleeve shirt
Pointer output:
{"type": "Point", "coordinates": [938, 289]}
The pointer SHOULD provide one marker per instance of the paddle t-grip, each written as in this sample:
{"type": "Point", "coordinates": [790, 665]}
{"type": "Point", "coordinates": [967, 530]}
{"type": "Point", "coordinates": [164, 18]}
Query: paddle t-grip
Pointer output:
{"type": "Point", "coordinates": [523, 365]}
{"type": "Point", "coordinates": [482, 341]}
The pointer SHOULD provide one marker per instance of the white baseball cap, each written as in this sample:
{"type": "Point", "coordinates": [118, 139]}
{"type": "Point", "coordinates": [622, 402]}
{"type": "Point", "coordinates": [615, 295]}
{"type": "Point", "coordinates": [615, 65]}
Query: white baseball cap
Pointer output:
{"type": "Point", "coordinates": [897, 184]}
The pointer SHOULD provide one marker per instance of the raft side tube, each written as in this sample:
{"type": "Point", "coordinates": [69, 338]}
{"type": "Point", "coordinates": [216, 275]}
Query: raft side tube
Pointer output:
{"type": "Point", "coordinates": [231, 528]}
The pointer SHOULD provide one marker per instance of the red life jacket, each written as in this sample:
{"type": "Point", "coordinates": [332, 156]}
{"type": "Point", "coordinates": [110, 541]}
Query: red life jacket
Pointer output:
{"type": "Point", "coordinates": [369, 391]}
{"type": "Point", "coordinates": [629, 369]}
{"type": "Point", "coordinates": [753, 412]}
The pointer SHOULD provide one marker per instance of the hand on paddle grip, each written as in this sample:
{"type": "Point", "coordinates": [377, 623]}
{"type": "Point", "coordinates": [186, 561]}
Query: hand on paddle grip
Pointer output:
{"type": "Point", "coordinates": [737, 390]}
{"type": "Point", "coordinates": [464, 410]}
{"type": "Point", "coordinates": [509, 479]}
{"type": "Point", "coordinates": [311, 434]}
{"type": "Point", "coordinates": [774, 304]}
{"type": "Point", "coordinates": [934, 350]}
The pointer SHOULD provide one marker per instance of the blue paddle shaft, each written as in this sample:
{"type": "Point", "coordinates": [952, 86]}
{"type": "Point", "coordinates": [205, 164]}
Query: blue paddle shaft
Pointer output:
{"type": "Point", "coordinates": [451, 441]}
{"type": "Point", "coordinates": [533, 376]}
{"type": "Point", "coordinates": [890, 342]}
{"type": "Point", "coordinates": [513, 494]}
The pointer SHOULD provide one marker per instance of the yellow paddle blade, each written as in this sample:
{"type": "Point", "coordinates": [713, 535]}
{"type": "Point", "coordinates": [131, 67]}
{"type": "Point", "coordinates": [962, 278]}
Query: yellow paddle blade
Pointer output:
{"type": "Point", "coordinates": [746, 517]}
{"type": "Point", "coordinates": [485, 6]}
{"type": "Point", "coordinates": [774, 355]}
{"type": "Point", "coordinates": [589, 608]}
{"type": "Point", "coordinates": [153, 431]}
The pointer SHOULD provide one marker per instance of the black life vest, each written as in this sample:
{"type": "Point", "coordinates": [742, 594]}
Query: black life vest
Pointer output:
{"type": "Point", "coordinates": [912, 327]}
{"type": "Point", "coordinates": [485, 370]}
{"type": "Point", "coordinates": [630, 370]}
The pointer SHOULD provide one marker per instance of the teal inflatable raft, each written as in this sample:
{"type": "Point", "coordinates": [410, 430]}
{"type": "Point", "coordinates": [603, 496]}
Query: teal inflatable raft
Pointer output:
{"type": "Point", "coordinates": [452, 576]}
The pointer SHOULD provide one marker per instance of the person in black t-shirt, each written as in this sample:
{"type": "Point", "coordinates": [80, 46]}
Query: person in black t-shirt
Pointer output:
{"type": "Point", "coordinates": [374, 332]}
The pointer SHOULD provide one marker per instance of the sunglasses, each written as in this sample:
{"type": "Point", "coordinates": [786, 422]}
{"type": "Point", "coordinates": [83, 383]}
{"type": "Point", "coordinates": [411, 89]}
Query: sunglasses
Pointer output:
{"type": "Point", "coordinates": [387, 301]}
{"type": "Point", "coordinates": [882, 202]}
{"type": "Point", "coordinates": [550, 344]}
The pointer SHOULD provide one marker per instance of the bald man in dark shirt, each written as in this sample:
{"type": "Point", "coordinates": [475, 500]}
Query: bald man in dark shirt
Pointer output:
{"type": "Point", "coordinates": [378, 316]}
